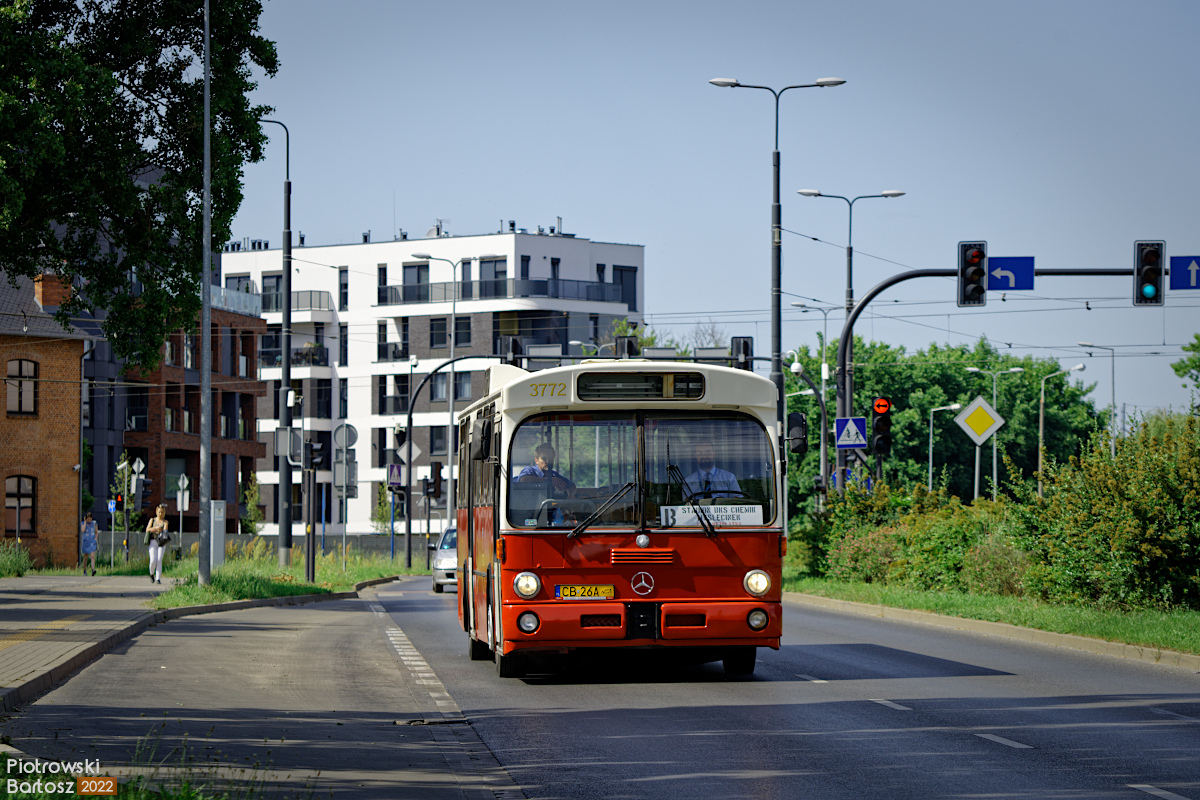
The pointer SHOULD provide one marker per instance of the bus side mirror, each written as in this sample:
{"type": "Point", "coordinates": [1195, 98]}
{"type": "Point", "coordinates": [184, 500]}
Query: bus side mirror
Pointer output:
{"type": "Point", "coordinates": [797, 431]}
{"type": "Point", "coordinates": [481, 439]}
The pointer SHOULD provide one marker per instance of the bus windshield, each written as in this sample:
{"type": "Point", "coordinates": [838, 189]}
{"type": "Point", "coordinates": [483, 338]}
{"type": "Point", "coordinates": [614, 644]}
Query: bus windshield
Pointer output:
{"type": "Point", "coordinates": [689, 470]}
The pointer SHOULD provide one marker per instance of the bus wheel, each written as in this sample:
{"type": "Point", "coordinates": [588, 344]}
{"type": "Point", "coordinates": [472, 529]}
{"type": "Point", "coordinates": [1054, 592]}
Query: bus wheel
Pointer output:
{"type": "Point", "coordinates": [739, 661]}
{"type": "Point", "coordinates": [510, 666]}
{"type": "Point", "coordinates": [477, 650]}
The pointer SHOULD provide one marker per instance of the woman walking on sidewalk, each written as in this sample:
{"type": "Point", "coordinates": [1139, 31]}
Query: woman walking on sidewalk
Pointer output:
{"type": "Point", "coordinates": [87, 541]}
{"type": "Point", "coordinates": [156, 540]}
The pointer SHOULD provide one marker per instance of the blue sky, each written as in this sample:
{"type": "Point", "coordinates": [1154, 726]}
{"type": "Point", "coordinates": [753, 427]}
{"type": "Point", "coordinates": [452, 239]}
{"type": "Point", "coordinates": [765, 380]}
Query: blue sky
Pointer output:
{"type": "Point", "coordinates": [1061, 130]}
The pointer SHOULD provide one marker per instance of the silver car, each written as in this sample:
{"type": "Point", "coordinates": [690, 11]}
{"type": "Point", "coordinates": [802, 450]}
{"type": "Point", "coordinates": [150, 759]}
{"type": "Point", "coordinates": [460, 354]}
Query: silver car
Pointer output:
{"type": "Point", "coordinates": [445, 560]}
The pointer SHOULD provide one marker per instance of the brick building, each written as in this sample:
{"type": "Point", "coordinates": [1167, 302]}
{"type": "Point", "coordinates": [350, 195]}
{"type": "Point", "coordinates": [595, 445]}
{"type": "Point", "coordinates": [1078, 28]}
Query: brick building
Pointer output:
{"type": "Point", "coordinates": [40, 430]}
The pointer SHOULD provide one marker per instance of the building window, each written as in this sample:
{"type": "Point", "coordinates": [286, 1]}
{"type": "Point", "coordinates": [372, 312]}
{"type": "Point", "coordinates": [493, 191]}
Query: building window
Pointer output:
{"type": "Point", "coordinates": [599, 273]}
{"type": "Point", "coordinates": [594, 323]}
{"type": "Point", "coordinates": [462, 331]}
{"type": "Point", "coordinates": [524, 268]}
{"type": "Point", "coordinates": [554, 262]}
{"type": "Point", "coordinates": [381, 271]}
{"type": "Point", "coordinates": [343, 288]}
{"type": "Point", "coordinates": [324, 404]}
{"type": "Point", "coordinates": [22, 386]}
{"type": "Point", "coordinates": [462, 386]}
{"type": "Point", "coordinates": [404, 335]}
{"type": "Point", "coordinates": [343, 398]}
{"type": "Point", "coordinates": [437, 440]}
{"type": "Point", "coordinates": [437, 333]}
{"type": "Point", "coordinates": [20, 502]}
{"type": "Point", "coordinates": [343, 345]}
{"type": "Point", "coordinates": [319, 334]}
{"type": "Point", "coordinates": [437, 388]}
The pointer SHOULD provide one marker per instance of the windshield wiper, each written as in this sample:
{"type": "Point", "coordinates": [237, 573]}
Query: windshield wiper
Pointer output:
{"type": "Point", "coordinates": [677, 477]}
{"type": "Point", "coordinates": [595, 515]}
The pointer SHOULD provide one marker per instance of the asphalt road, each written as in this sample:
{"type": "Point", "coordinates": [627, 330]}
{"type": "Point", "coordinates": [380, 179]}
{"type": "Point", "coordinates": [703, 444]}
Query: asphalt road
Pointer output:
{"type": "Point", "coordinates": [851, 707]}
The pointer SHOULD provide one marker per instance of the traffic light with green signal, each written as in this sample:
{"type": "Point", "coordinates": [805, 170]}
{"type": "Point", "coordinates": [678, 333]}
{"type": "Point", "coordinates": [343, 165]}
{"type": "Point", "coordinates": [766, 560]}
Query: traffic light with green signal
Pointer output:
{"type": "Point", "coordinates": [1148, 273]}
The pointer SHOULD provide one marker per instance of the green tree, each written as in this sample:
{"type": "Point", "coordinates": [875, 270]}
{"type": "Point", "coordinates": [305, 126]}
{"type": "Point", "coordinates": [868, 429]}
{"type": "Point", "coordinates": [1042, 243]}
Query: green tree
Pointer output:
{"type": "Point", "coordinates": [1189, 366]}
{"type": "Point", "coordinates": [252, 517]}
{"type": "Point", "coordinates": [381, 513]}
{"type": "Point", "coordinates": [101, 151]}
{"type": "Point", "coordinates": [934, 377]}
{"type": "Point", "coordinates": [646, 336]}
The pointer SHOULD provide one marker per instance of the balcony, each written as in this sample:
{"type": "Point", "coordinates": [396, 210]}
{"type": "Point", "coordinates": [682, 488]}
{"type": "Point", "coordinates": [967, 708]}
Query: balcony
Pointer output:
{"type": "Point", "coordinates": [392, 352]}
{"type": "Point", "coordinates": [500, 289]}
{"type": "Point", "coordinates": [301, 357]}
{"type": "Point", "coordinates": [301, 301]}
{"type": "Point", "coordinates": [394, 405]}
{"type": "Point", "coordinates": [237, 301]}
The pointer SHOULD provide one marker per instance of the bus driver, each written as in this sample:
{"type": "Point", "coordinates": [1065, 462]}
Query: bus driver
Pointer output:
{"type": "Point", "coordinates": [709, 480]}
{"type": "Point", "coordinates": [543, 469]}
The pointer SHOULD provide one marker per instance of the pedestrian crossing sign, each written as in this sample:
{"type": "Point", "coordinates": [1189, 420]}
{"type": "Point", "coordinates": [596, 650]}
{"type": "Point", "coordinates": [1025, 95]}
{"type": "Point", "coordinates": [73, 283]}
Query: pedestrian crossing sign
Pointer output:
{"type": "Point", "coordinates": [850, 433]}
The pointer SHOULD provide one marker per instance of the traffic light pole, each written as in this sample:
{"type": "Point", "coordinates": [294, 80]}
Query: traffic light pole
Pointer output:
{"type": "Point", "coordinates": [408, 518]}
{"type": "Point", "coordinates": [887, 283]}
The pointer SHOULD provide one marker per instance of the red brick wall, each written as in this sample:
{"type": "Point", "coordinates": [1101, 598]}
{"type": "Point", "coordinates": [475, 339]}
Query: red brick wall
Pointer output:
{"type": "Point", "coordinates": [45, 445]}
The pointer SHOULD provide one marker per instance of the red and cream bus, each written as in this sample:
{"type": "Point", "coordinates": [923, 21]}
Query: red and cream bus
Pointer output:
{"type": "Point", "coordinates": [621, 504]}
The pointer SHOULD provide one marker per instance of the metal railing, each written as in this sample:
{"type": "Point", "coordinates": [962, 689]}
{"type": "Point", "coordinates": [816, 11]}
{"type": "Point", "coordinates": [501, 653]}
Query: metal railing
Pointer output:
{"type": "Point", "coordinates": [394, 405]}
{"type": "Point", "coordinates": [239, 302]}
{"type": "Point", "coordinates": [301, 301]}
{"type": "Point", "coordinates": [301, 357]}
{"type": "Point", "coordinates": [391, 352]}
{"type": "Point", "coordinates": [500, 289]}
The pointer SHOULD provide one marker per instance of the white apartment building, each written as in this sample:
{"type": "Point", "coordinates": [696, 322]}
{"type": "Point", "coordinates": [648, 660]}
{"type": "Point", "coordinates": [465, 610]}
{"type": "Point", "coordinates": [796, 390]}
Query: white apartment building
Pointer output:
{"type": "Point", "coordinates": [371, 320]}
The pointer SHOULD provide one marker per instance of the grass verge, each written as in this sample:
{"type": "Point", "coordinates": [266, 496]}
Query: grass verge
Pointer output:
{"type": "Point", "coordinates": [1165, 630]}
{"type": "Point", "coordinates": [252, 578]}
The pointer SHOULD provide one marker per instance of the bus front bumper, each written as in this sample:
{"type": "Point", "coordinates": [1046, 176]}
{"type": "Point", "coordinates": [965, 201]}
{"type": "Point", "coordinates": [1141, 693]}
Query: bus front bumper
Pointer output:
{"type": "Point", "coordinates": [668, 624]}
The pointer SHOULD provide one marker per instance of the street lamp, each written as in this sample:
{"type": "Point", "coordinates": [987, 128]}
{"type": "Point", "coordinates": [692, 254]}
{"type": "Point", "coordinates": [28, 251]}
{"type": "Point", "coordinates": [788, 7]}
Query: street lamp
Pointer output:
{"type": "Point", "coordinates": [776, 233]}
{"type": "Point", "coordinates": [845, 372]}
{"type": "Point", "coordinates": [804, 309]}
{"type": "Point", "coordinates": [453, 330]}
{"type": "Point", "coordinates": [951, 407]}
{"type": "Point", "coordinates": [994, 375]}
{"type": "Point", "coordinates": [1113, 352]}
{"type": "Point", "coordinates": [1042, 417]}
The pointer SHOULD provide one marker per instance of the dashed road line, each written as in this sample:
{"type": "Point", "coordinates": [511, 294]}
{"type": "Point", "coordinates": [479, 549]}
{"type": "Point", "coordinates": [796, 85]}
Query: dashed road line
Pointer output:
{"type": "Point", "coordinates": [1154, 790]}
{"type": "Point", "coordinates": [811, 679]}
{"type": "Point", "coordinates": [1006, 742]}
{"type": "Point", "coordinates": [890, 704]}
{"type": "Point", "coordinates": [1165, 713]}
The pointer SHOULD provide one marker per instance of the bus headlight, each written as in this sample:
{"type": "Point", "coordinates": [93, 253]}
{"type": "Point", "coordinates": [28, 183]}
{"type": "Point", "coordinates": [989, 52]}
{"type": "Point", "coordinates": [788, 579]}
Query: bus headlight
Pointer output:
{"type": "Point", "coordinates": [527, 585]}
{"type": "Point", "coordinates": [528, 622]}
{"type": "Point", "coordinates": [757, 619]}
{"type": "Point", "coordinates": [757, 582]}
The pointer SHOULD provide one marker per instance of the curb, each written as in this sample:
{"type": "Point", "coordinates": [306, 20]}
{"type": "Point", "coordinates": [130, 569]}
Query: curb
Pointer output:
{"type": "Point", "coordinates": [17, 695]}
{"type": "Point", "coordinates": [1147, 655]}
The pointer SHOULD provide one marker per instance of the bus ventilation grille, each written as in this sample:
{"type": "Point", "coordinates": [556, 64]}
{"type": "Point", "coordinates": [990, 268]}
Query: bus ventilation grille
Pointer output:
{"type": "Point", "coordinates": [684, 620]}
{"type": "Point", "coordinates": [600, 621]}
{"type": "Point", "coordinates": [643, 555]}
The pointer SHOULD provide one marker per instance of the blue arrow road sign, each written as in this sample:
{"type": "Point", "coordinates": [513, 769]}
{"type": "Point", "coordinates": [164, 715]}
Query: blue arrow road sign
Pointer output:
{"type": "Point", "coordinates": [112, 506]}
{"type": "Point", "coordinates": [1185, 272]}
{"type": "Point", "coordinates": [1010, 273]}
{"type": "Point", "coordinates": [850, 433]}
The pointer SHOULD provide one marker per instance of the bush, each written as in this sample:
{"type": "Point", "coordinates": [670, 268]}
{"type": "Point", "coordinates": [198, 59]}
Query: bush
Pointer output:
{"type": "Point", "coordinates": [864, 554]}
{"type": "Point", "coordinates": [1123, 532]}
{"type": "Point", "coordinates": [14, 560]}
{"type": "Point", "coordinates": [994, 566]}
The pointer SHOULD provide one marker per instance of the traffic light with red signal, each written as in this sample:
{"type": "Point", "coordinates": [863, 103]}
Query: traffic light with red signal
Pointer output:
{"type": "Point", "coordinates": [1148, 273]}
{"type": "Point", "coordinates": [972, 274]}
{"type": "Point", "coordinates": [881, 426]}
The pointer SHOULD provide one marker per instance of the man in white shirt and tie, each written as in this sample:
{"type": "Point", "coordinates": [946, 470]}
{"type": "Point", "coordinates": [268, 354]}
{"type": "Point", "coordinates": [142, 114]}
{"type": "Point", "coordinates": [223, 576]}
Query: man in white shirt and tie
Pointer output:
{"type": "Point", "coordinates": [709, 480]}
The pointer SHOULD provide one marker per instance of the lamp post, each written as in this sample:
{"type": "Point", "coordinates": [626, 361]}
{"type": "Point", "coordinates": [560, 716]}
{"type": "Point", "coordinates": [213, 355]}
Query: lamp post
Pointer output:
{"type": "Point", "coordinates": [776, 233]}
{"type": "Point", "coordinates": [824, 377]}
{"type": "Point", "coordinates": [1042, 417]}
{"type": "Point", "coordinates": [1113, 352]}
{"type": "Point", "coordinates": [994, 375]}
{"type": "Point", "coordinates": [453, 330]}
{"type": "Point", "coordinates": [845, 372]}
{"type": "Point", "coordinates": [285, 379]}
{"type": "Point", "coordinates": [951, 407]}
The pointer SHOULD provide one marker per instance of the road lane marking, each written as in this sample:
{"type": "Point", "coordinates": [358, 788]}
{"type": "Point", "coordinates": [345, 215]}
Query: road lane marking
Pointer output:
{"type": "Point", "coordinates": [890, 704]}
{"type": "Point", "coordinates": [1006, 742]}
{"type": "Point", "coordinates": [811, 678]}
{"type": "Point", "coordinates": [1166, 713]}
{"type": "Point", "coordinates": [1154, 790]}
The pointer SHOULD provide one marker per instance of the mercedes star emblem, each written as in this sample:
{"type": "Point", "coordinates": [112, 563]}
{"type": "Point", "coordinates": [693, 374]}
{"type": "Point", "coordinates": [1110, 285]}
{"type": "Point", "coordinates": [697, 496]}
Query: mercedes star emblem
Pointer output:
{"type": "Point", "coordinates": [642, 583]}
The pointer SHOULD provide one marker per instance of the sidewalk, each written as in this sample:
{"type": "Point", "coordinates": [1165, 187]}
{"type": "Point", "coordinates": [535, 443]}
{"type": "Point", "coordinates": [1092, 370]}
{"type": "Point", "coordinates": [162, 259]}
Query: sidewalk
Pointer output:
{"type": "Point", "coordinates": [53, 625]}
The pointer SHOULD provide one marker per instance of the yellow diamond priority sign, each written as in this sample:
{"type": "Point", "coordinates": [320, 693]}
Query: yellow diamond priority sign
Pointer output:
{"type": "Point", "coordinates": [979, 420]}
